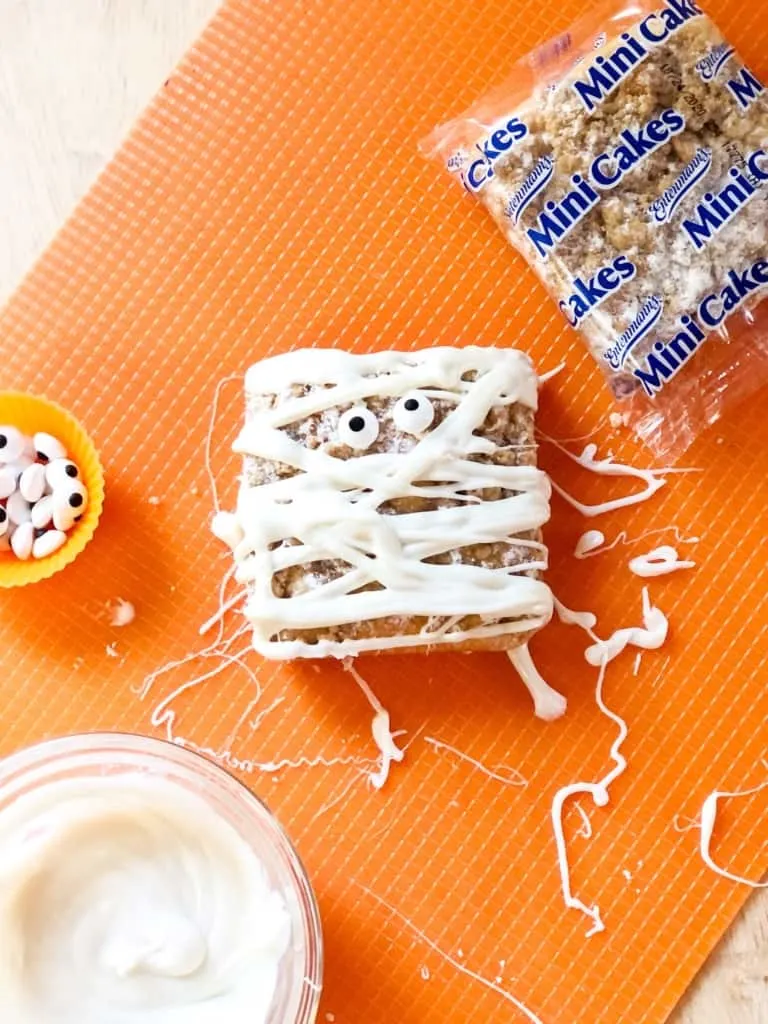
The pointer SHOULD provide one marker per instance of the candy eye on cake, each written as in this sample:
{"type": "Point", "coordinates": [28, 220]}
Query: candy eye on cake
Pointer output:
{"type": "Point", "coordinates": [358, 428]}
{"type": "Point", "coordinates": [413, 413]}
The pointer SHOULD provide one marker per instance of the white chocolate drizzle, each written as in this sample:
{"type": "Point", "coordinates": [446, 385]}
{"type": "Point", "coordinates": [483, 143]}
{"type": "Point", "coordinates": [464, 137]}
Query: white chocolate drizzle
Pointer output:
{"type": "Point", "coordinates": [708, 818]}
{"type": "Point", "coordinates": [653, 479]}
{"type": "Point", "coordinates": [650, 636]}
{"type": "Point", "coordinates": [453, 961]}
{"type": "Point", "coordinates": [511, 776]}
{"type": "Point", "coordinates": [599, 794]}
{"type": "Point", "coordinates": [331, 505]}
{"type": "Point", "coordinates": [380, 729]}
{"type": "Point", "coordinates": [592, 542]}
{"type": "Point", "coordinates": [659, 562]}
{"type": "Point", "coordinates": [548, 704]}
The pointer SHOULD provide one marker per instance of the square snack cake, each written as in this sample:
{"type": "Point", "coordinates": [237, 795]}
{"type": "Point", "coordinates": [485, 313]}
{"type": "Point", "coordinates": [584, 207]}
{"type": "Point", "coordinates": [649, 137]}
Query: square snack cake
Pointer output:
{"type": "Point", "coordinates": [390, 500]}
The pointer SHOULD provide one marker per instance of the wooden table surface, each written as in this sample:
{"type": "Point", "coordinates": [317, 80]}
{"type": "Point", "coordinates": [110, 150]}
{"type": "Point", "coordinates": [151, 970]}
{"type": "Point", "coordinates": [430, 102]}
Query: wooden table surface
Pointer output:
{"type": "Point", "coordinates": [73, 76]}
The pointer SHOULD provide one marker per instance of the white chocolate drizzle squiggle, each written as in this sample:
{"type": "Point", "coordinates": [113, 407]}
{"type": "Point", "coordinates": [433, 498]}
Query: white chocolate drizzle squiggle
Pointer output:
{"type": "Point", "coordinates": [599, 793]}
{"type": "Point", "coordinates": [548, 704]}
{"type": "Point", "coordinates": [650, 636]}
{"type": "Point", "coordinates": [592, 542]}
{"type": "Point", "coordinates": [381, 731]}
{"type": "Point", "coordinates": [654, 479]}
{"type": "Point", "coordinates": [707, 826]}
{"type": "Point", "coordinates": [330, 506]}
{"type": "Point", "coordinates": [659, 562]}
{"type": "Point", "coordinates": [453, 961]}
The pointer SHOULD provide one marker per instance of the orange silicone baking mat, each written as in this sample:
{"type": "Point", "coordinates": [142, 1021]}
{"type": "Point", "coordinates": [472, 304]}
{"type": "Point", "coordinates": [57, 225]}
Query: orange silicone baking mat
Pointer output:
{"type": "Point", "coordinates": [272, 196]}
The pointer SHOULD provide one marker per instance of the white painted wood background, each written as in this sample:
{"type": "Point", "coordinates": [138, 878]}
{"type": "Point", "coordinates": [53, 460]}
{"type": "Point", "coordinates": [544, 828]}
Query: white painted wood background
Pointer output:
{"type": "Point", "coordinates": [73, 76]}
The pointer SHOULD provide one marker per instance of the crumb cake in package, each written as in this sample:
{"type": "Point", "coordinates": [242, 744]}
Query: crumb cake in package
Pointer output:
{"type": "Point", "coordinates": [627, 160]}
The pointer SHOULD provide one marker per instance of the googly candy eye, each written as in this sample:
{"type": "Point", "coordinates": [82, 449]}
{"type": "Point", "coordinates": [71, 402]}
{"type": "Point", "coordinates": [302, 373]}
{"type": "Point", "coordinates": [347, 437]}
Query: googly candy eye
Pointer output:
{"type": "Point", "coordinates": [48, 448]}
{"type": "Point", "coordinates": [19, 510]}
{"type": "Point", "coordinates": [12, 444]}
{"type": "Point", "coordinates": [7, 482]}
{"type": "Point", "coordinates": [32, 482]}
{"type": "Point", "coordinates": [42, 512]}
{"type": "Point", "coordinates": [358, 428]}
{"type": "Point", "coordinates": [414, 413]}
{"type": "Point", "coordinates": [60, 473]}
{"type": "Point", "coordinates": [69, 504]}
{"type": "Point", "coordinates": [22, 540]}
{"type": "Point", "coordinates": [47, 543]}
{"type": "Point", "coordinates": [5, 522]}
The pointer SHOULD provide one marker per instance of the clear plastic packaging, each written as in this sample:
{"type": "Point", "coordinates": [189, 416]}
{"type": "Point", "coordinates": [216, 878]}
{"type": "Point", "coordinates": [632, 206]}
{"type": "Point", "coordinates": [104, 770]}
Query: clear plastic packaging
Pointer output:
{"type": "Point", "coordinates": [627, 160]}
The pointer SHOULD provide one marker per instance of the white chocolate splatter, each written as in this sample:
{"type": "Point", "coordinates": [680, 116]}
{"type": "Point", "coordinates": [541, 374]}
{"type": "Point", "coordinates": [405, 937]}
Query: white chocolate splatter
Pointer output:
{"type": "Point", "coordinates": [653, 479]}
{"type": "Point", "coordinates": [122, 614]}
{"type": "Point", "coordinates": [380, 729]}
{"type": "Point", "coordinates": [591, 543]}
{"type": "Point", "coordinates": [548, 704]}
{"type": "Point", "coordinates": [659, 562]}
{"type": "Point", "coordinates": [708, 817]}
{"type": "Point", "coordinates": [650, 636]}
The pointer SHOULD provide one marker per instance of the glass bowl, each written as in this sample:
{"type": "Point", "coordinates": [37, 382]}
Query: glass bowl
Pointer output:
{"type": "Point", "coordinates": [90, 755]}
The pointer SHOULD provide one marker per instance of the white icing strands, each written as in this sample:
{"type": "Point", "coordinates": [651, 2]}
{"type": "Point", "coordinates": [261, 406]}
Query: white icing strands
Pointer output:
{"type": "Point", "coordinates": [653, 479]}
{"type": "Point", "coordinates": [380, 729]}
{"type": "Point", "coordinates": [588, 543]}
{"type": "Point", "coordinates": [453, 961]}
{"type": "Point", "coordinates": [122, 613]}
{"type": "Point", "coordinates": [599, 794]}
{"type": "Point", "coordinates": [593, 541]}
{"type": "Point", "coordinates": [650, 636]}
{"type": "Point", "coordinates": [549, 374]}
{"type": "Point", "coordinates": [511, 776]}
{"type": "Point", "coordinates": [329, 507]}
{"type": "Point", "coordinates": [708, 818]}
{"type": "Point", "coordinates": [547, 702]}
{"type": "Point", "coordinates": [659, 562]}
{"type": "Point", "coordinates": [584, 620]}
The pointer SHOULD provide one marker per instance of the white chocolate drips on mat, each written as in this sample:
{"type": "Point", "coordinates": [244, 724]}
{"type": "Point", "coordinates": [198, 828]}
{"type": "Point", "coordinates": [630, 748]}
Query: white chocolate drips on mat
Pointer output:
{"type": "Point", "coordinates": [129, 898]}
{"type": "Point", "coordinates": [600, 797]}
{"type": "Point", "coordinates": [592, 542]}
{"type": "Point", "coordinates": [708, 818]}
{"type": "Point", "coordinates": [654, 479]}
{"type": "Point", "coordinates": [453, 961]}
{"type": "Point", "coordinates": [548, 704]}
{"type": "Point", "coordinates": [380, 730]}
{"type": "Point", "coordinates": [659, 562]}
{"type": "Point", "coordinates": [331, 505]}
{"type": "Point", "coordinates": [650, 636]}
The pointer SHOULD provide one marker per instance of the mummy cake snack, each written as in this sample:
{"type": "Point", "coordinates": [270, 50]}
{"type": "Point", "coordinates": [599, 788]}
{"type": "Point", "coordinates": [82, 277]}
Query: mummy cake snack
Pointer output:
{"type": "Point", "coordinates": [390, 501]}
{"type": "Point", "coordinates": [41, 494]}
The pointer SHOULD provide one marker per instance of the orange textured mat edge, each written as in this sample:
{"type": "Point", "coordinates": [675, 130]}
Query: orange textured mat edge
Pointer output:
{"type": "Point", "coordinates": [273, 196]}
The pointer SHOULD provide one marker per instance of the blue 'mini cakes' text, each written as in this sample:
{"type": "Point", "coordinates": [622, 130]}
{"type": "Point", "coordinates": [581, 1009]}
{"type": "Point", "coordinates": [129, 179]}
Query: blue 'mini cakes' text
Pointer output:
{"type": "Point", "coordinates": [667, 357]}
